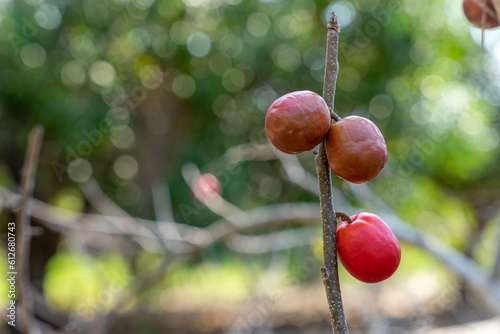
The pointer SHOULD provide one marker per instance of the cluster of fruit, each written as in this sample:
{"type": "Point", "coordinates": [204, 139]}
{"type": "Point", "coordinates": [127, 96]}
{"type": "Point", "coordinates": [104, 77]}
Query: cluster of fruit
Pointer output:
{"type": "Point", "coordinates": [481, 13]}
{"type": "Point", "coordinates": [356, 152]}
{"type": "Point", "coordinates": [355, 147]}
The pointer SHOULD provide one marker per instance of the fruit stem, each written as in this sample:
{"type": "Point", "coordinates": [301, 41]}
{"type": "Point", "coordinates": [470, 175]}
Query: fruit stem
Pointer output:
{"type": "Point", "coordinates": [345, 217]}
{"type": "Point", "coordinates": [335, 117]}
{"type": "Point", "coordinates": [330, 271]}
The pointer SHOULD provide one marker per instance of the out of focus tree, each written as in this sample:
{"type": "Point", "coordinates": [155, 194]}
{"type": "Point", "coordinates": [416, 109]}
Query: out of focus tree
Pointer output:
{"type": "Point", "coordinates": [133, 92]}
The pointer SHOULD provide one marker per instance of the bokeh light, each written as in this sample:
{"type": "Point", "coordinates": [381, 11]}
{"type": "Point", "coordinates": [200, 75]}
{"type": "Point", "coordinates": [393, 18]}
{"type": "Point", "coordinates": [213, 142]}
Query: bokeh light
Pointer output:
{"type": "Point", "coordinates": [48, 16]}
{"type": "Point", "coordinates": [102, 73]}
{"type": "Point", "coordinates": [79, 170]}
{"type": "Point", "coordinates": [125, 167]}
{"type": "Point", "coordinates": [73, 74]}
{"type": "Point", "coordinates": [33, 55]}
{"type": "Point", "coordinates": [198, 44]}
{"type": "Point", "coordinates": [184, 86]}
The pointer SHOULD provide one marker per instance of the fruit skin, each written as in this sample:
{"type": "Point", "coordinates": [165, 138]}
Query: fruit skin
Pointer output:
{"type": "Point", "coordinates": [355, 149]}
{"type": "Point", "coordinates": [367, 248]}
{"type": "Point", "coordinates": [473, 12]}
{"type": "Point", "coordinates": [206, 186]}
{"type": "Point", "coordinates": [297, 122]}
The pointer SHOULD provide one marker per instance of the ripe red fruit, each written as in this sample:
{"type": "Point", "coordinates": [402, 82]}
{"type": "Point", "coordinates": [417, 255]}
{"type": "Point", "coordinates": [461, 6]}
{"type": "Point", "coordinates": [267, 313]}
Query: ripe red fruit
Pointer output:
{"type": "Point", "coordinates": [206, 186]}
{"type": "Point", "coordinates": [473, 10]}
{"type": "Point", "coordinates": [367, 248]}
{"type": "Point", "coordinates": [355, 149]}
{"type": "Point", "coordinates": [297, 122]}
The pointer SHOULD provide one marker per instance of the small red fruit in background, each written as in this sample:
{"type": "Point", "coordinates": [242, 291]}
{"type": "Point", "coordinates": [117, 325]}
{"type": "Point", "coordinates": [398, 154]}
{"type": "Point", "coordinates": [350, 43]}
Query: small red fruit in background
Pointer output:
{"type": "Point", "coordinates": [206, 186]}
{"type": "Point", "coordinates": [474, 9]}
{"type": "Point", "coordinates": [297, 122]}
{"type": "Point", "coordinates": [367, 248]}
{"type": "Point", "coordinates": [356, 149]}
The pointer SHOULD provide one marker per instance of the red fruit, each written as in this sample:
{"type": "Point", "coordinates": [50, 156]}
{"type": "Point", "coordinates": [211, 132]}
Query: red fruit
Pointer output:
{"type": "Point", "coordinates": [355, 149]}
{"type": "Point", "coordinates": [474, 9]}
{"type": "Point", "coordinates": [206, 186]}
{"type": "Point", "coordinates": [367, 248]}
{"type": "Point", "coordinates": [297, 122]}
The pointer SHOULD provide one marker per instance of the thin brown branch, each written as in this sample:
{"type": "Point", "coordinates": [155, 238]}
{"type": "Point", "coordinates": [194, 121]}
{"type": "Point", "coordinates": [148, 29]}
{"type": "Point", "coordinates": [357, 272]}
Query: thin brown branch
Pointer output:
{"type": "Point", "coordinates": [330, 271]}
{"type": "Point", "coordinates": [25, 298]}
{"type": "Point", "coordinates": [334, 115]}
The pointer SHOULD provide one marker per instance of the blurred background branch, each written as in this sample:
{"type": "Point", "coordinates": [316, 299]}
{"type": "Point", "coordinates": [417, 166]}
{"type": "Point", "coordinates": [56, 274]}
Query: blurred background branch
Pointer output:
{"type": "Point", "coordinates": [24, 231]}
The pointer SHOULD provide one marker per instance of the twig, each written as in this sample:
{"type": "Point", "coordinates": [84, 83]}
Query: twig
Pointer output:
{"type": "Point", "coordinates": [216, 204]}
{"type": "Point", "coordinates": [106, 207]}
{"type": "Point", "coordinates": [330, 271]}
{"type": "Point", "coordinates": [191, 237]}
{"type": "Point", "coordinates": [26, 305]}
{"type": "Point", "coordinates": [296, 174]}
{"type": "Point", "coordinates": [273, 241]}
{"type": "Point", "coordinates": [252, 151]}
{"type": "Point", "coordinates": [334, 115]}
{"type": "Point", "coordinates": [162, 202]}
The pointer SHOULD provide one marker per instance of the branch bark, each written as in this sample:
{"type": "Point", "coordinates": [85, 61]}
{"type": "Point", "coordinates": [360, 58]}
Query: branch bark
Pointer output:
{"type": "Point", "coordinates": [23, 213]}
{"type": "Point", "coordinates": [328, 216]}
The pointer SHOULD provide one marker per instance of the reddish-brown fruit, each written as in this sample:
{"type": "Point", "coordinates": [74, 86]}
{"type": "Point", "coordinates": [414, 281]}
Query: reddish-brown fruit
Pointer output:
{"type": "Point", "coordinates": [297, 122]}
{"type": "Point", "coordinates": [474, 9]}
{"type": "Point", "coordinates": [206, 186]}
{"type": "Point", "coordinates": [367, 248]}
{"type": "Point", "coordinates": [355, 149]}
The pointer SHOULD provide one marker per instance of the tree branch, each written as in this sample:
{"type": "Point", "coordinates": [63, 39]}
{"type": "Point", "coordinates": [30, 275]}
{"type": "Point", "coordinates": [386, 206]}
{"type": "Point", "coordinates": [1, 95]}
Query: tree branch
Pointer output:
{"type": "Point", "coordinates": [273, 241]}
{"type": "Point", "coordinates": [296, 174]}
{"type": "Point", "coordinates": [26, 305]}
{"type": "Point", "coordinates": [330, 271]}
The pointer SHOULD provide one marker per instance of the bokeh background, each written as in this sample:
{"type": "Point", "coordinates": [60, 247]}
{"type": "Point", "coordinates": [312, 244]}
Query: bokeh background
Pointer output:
{"type": "Point", "coordinates": [138, 97]}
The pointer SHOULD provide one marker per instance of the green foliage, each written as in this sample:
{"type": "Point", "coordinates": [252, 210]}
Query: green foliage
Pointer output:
{"type": "Point", "coordinates": [210, 282]}
{"type": "Point", "coordinates": [85, 284]}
